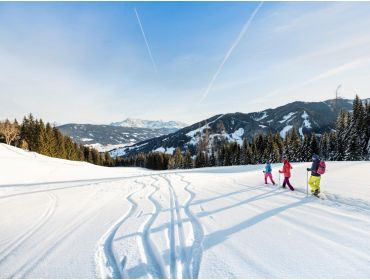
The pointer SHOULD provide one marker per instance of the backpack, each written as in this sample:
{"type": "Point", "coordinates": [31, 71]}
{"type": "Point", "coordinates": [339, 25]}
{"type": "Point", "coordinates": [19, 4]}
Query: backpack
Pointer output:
{"type": "Point", "coordinates": [321, 168]}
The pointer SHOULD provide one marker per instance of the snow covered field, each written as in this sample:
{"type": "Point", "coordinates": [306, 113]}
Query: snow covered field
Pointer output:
{"type": "Point", "coordinates": [63, 219]}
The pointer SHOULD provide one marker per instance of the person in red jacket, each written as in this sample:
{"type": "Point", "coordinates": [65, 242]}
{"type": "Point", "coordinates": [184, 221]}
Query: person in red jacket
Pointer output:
{"type": "Point", "coordinates": [286, 172]}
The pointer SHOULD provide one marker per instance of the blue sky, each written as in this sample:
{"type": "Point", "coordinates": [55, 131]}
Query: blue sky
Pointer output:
{"type": "Point", "coordinates": [89, 63]}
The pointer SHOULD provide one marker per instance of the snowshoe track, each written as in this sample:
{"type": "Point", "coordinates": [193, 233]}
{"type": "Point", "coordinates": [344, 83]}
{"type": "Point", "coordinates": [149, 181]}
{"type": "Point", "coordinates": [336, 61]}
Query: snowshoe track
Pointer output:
{"type": "Point", "coordinates": [196, 251]}
{"type": "Point", "coordinates": [155, 263]}
{"type": "Point", "coordinates": [105, 259]}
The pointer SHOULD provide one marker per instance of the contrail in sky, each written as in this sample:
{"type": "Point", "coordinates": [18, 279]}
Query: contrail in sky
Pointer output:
{"type": "Point", "coordinates": [229, 52]}
{"type": "Point", "coordinates": [146, 42]}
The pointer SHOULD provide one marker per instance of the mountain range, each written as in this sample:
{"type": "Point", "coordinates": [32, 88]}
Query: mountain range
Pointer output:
{"type": "Point", "coordinates": [139, 123]}
{"type": "Point", "coordinates": [118, 134]}
{"type": "Point", "coordinates": [306, 117]}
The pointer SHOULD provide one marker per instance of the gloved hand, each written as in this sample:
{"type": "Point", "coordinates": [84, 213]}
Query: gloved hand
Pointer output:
{"type": "Point", "coordinates": [308, 169]}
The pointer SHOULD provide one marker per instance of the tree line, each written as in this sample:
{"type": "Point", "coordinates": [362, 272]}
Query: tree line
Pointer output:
{"type": "Point", "coordinates": [36, 136]}
{"type": "Point", "coordinates": [348, 142]}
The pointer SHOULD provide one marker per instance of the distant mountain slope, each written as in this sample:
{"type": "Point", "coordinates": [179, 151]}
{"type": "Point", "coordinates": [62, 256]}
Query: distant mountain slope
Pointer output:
{"type": "Point", "coordinates": [304, 116]}
{"type": "Point", "coordinates": [119, 134]}
{"type": "Point", "coordinates": [104, 136]}
{"type": "Point", "coordinates": [170, 125]}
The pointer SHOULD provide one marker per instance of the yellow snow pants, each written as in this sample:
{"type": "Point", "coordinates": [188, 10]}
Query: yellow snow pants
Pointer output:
{"type": "Point", "coordinates": [314, 183]}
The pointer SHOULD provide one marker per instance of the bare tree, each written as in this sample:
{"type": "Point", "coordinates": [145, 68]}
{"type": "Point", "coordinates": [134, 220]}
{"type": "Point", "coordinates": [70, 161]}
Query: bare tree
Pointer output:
{"type": "Point", "coordinates": [10, 131]}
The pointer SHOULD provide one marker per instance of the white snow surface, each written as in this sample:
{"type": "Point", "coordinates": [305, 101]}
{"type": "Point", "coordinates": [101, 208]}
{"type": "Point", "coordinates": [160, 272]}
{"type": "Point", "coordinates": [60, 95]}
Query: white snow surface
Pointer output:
{"type": "Point", "coordinates": [169, 151]}
{"type": "Point", "coordinates": [237, 136]}
{"type": "Point", "coordinates": [107, 148]}
{"type": "Point", "coordinates": [64, 219]}
{"type": "Point", "coordinates": [285, 130]}
{"type": "Point", "coordinates": [86, 139]}
{"type": "Point", "coordinates": [288, 117]}
{"type": "Point", "coordinates": [262, 117]}
{"type": "Point", "coordinates": [306, 123]}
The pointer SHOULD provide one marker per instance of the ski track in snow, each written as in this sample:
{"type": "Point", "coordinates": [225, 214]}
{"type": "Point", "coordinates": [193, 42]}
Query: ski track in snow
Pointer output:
{"type": "Point", "coordinates": [29, 232]}
{"type": "Point", "coordinates": [183, 262]}
{"type": "Point", "coordinates": [77, 222]}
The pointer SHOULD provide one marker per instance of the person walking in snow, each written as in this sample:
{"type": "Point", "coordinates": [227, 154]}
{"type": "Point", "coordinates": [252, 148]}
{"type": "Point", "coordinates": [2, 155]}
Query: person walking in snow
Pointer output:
{"type": "Point", "coordinates": [268, 173]}
{"type": "Point", "coordinates": [315, 177]}
{"type": "Point", "coordinates": [286, 171]}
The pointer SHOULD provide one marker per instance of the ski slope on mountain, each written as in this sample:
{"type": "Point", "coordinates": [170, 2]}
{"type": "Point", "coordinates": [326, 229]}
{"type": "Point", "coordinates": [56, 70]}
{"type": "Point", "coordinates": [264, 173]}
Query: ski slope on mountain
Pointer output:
{"type": "Point", "coordinates": [63, 219]}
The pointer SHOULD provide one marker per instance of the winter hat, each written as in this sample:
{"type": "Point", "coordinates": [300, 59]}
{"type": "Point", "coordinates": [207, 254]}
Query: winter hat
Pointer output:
{"type": "Point", "coordinates": [314, 156]}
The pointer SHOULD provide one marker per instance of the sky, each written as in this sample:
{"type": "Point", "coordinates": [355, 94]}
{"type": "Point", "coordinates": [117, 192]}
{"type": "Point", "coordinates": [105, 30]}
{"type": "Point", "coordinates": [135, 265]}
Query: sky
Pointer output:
{"type": "Point", "coordinates": [101, 62]}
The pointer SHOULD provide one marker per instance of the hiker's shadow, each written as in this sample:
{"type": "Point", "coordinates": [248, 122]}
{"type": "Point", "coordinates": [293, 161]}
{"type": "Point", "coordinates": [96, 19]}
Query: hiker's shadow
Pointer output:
{"type": "Point", "coordinates": [267, 194]}
{"type": "Point", "coordinates": [220, 236]}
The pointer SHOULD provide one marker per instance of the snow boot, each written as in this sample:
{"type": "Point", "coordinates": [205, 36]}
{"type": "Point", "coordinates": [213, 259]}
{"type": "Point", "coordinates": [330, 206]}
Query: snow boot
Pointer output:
{"type": "Point", "coordinates": [316, 193]}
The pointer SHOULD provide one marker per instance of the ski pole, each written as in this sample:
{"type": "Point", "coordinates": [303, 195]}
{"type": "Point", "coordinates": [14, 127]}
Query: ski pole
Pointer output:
{"type": "Point", "coordinates": [307, 183]}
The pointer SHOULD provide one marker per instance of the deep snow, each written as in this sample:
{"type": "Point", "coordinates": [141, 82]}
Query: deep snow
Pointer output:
{"type": "Point", "coordinates": [63, 219]}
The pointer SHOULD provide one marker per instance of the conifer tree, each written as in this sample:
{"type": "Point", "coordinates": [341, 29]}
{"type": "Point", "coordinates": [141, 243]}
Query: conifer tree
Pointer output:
{"type": "Point", "coordinates": [188, 162]}
{"type": "Point", "coordinates": [43, 147]}
{"type": "Point", "coordinates": [332, 145]}
{"type": "Point", "coordinates": [358, 125]}
{"type": "Point", "coordinates": [171, 163]}
{"type": "Point", "coordinates": [340, 136]}
{"type": "Point", "coordinates": [353, 148]}
{"type": "Point", "coordinates": [221, 155]}
{"type": "Point", "coordinates": [315, 149]}
{"type": "Point", "coordinates": [324, 146]}
{"type": "Point", "coordinates": [306, 152]}
{"type": "Point", "coordinates": [178, 159]}
{"type": "Point", "coordinates": [212, 158]}
{"type": "Point", "coordinates": [227, 158]}
{"type": "Point", "coordinates": [367, 129]}
{"type": "Point", "coordinates": [279, 145]}
{"type": "Point", "coordinates": [247, 157]}
{"type": "Point", "coordinates": [294, 145]}
{"type": "Point", "coordinates": [287, 152]}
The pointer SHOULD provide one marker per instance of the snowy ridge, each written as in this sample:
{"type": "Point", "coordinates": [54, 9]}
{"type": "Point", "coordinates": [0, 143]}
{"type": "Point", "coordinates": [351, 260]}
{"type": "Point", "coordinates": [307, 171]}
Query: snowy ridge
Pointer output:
{"type": "Point", "coordinates": [129, 122]}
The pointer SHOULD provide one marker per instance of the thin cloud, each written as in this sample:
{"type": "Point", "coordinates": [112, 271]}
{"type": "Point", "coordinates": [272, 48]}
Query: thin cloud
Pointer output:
{"type": "Point", "coordinates": [355, 64]}
{"type": "Point", "coordinates": [146, 41]}
{"type": "Point", "coordinates": [339, 69]}
{"type": "Point", "coordinates": [334, 48]}
{"type": "Point", "coordinates": [230, 51]}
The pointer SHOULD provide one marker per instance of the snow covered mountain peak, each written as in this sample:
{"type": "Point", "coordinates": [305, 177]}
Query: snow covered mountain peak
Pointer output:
{"type": "Point", "coordinates": [157, 124]}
